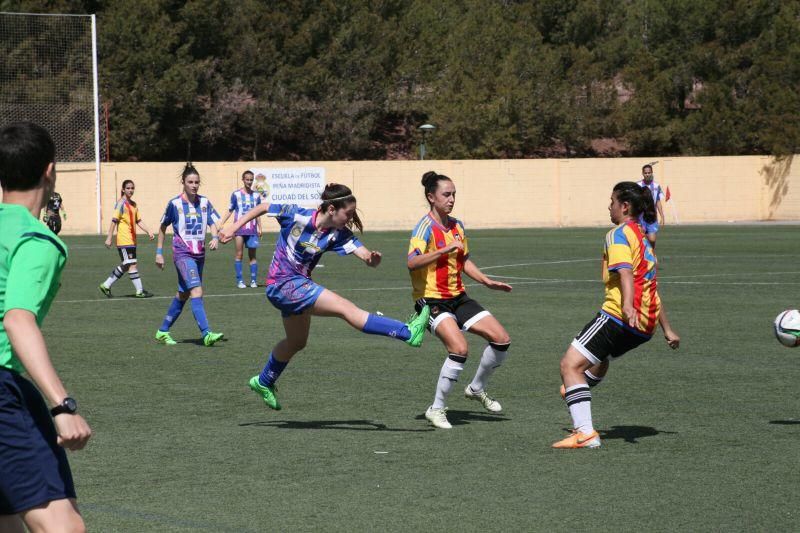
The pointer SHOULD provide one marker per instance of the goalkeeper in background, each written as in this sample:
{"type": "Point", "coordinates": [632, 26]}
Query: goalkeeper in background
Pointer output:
{"type": "Point", "coordinates": [36, 485]}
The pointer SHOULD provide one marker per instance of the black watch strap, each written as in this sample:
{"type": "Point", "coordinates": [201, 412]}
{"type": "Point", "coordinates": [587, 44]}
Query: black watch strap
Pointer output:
{"type": "Point", "coordinates": [68, 405]}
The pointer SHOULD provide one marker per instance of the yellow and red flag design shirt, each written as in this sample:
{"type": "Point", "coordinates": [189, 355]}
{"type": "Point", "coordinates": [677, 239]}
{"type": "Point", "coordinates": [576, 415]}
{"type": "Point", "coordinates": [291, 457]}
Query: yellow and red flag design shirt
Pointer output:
{"type": "Point", "coordinates": [442, 278]}
{"type": "Point", "coordinates": [627, 247]}
{"type": "Point", "coordinates": [126, 215]}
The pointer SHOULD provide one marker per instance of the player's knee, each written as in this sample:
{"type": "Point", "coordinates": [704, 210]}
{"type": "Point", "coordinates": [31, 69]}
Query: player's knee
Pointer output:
{"type": "Point", "coordinates": [295, 346]}
{"type": "Point", "coordinates": [459, 348]}
{"type": "Point", "coordinates": [501, 343]}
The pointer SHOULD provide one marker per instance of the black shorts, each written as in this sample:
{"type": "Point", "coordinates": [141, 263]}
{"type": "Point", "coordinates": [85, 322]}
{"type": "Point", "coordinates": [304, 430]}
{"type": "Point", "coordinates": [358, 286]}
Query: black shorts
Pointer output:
{"type": "Point", "coordinates": [127, 254]}
{"type": "Point", "coordinates": [33, 467]}
{"type": "Point", "coordinates": [463, 309]}
{"type": "Point", "coordinates": [54, 223]}
{"type": "Point", "coordinates": [603, 338]}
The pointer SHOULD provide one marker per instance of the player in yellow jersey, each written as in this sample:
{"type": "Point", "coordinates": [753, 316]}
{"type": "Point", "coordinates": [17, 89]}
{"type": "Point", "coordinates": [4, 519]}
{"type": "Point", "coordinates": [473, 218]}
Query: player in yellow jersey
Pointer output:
{"type": "Point", "coordinates": [629, 314]}
{"type": "Point", "coordinates": [437, 255]}
{"type": "Point", "coordinates": [124, 220]}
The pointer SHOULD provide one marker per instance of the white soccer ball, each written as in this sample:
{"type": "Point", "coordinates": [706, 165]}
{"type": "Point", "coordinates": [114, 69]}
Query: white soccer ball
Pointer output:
{"type": "Point", "coordinates": [787, 328]}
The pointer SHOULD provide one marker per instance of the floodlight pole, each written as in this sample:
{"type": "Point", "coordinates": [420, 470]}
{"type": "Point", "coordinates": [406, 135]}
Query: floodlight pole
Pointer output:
{"type": "Point", "coordinates": [425, 129]}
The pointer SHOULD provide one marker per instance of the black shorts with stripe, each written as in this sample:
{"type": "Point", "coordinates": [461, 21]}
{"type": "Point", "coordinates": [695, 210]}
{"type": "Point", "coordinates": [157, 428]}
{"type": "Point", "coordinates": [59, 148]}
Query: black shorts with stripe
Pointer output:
{"type": "Point", "coordinates": [127, 254]}
{"type": "Point", "coordinates": [463, 309]}
{"type": "Point", "coordinates": [603, 338]}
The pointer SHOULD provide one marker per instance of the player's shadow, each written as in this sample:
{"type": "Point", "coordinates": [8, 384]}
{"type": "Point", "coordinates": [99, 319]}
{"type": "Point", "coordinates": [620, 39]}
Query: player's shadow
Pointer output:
{"type": "Point", "coordinates": [346, 425]}
{"type": "Point", "coordinates": [630, 434]}
{"type": "Point", "coordinates": [785, 422]}
{"type": "Point", "coordinates": [461, 418]}
{"type": "Point", "coordinates": [199, 342]}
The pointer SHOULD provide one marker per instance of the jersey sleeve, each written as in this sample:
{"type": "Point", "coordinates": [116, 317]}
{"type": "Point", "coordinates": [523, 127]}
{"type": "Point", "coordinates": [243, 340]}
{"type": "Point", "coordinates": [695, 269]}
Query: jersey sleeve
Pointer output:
{"type": "Point", "coordinates": [618, 250]}
{"type": "Point", "coordinates": [213, 216]}
{"type": "Point", "coordinates": [463, 238]}
{"type": "Point", "coordinates": [118, 213]}
{"type": "Point", "coordinates": [36, 264]}
{"type": "Point", "coordinates": [346, 243]}
{"type": "Point", "coordinates": [233, 203]}
{"type": "Point", "coordinates": [419, 238]}
{"type": "Point", "coordinates": [283, 212]}
{"type": "Point", "coordinates": [170, 216]}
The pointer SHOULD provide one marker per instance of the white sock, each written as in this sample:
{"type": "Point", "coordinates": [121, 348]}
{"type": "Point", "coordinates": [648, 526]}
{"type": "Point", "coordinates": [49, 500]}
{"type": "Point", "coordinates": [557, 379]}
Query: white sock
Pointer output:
{"type": "Point", "coordinates": [490, 360]}
{"type": "Point", "coordinates": [448, 375]}
{"type": "Point", "coordinates": [136, 280]}
{"type": "Point", "coordinates": [579, 401]}
{"type": "Point", "coordinates": [115, 275]}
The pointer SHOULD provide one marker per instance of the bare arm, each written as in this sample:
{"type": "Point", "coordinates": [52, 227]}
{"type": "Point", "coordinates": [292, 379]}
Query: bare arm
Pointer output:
{"type": "Point", "coordinates": [28, 343]}
{"type": "Point", "coordinates": [423, 260]}
{"type": "Point", "coordinates": [226, 234]}
{"type": "Point", "coordinates": [214, 237]}
{"type": "Point", "coordinates": [670, 335]}
{"type": "Point", "coordinates": [111, 229]}
{"type": "Point", "coordinates": [660, 208]}
{"type": "Point", "coordinates": [626, 284]}
{"type": "Point", "coordinates": [162, 233]}
{"type": "Point", "coordinates": [146, 229]}
{"type": "Point", "coordinates": [372, 258]}
{"type": "Point", "coordinates": [472, 270]}
{"type": "Point", "coordinates": [224, 220]}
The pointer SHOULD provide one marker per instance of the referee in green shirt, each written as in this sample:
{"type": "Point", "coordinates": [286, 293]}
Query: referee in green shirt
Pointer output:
{"type": "Point", "coordinates": [36, 485]}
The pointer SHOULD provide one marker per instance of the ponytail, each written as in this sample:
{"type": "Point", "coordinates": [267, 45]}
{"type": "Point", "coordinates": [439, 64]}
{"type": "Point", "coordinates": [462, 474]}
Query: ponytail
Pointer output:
{"type": "Point", "coordinates": [639, 198]}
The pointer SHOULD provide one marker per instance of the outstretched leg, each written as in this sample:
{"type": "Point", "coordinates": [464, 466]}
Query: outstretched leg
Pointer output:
{"type": "Point", "coordinates": [331, 304]}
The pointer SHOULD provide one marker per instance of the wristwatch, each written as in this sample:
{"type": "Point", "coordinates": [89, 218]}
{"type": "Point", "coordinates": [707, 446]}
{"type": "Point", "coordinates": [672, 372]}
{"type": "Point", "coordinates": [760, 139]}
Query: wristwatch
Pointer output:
{"type": "Point", "coordinates": [68, 405]}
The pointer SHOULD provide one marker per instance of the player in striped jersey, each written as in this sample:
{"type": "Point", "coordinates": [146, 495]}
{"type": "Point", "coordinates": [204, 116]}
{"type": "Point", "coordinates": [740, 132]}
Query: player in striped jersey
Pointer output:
{"type": "Point", "coordinates": [189, 214]}
{"type": "Point", "coordinates": [242, 201]}
{"type": "Point", "coordinates": [629, 314]}
{"type": "Point", "coordinates": [437, 255]}
{"type": "Point", "coordinates": [304, 236]}
{"type": "Point", "coordinates": [124, 220]}
{"type": "Point", "coordinates": [647, 181]}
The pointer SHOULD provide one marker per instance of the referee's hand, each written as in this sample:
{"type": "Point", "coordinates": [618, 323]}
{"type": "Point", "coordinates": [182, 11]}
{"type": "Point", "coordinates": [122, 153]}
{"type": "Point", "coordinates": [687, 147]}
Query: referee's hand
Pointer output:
{"type": "Point", "coordinates": [73, 431]}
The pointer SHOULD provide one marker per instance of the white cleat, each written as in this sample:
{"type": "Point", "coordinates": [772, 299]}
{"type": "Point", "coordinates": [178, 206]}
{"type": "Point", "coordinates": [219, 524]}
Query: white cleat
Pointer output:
{"type": "Point", "coordinates": [241, 285]}
{"type": "Point", "coordinates": [253, 285]}
{"type": "Point", "coordinates": [438, 417]}
{"type": "Point", "coordinates": [490, 404]}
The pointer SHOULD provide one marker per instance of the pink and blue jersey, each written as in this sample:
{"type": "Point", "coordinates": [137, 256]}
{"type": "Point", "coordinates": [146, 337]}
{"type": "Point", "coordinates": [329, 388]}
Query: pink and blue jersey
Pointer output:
{"type": "Point", "coordinates": [189, 222]}
{"type": "Point", "coordinates": [300, 243]}
{"type": "Point", "coordinates": [241, 203]}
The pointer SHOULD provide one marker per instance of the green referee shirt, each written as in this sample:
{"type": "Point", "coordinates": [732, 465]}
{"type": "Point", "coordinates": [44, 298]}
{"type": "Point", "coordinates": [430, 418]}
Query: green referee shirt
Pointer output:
{"type": "Point", "coordinates": [31, 261]}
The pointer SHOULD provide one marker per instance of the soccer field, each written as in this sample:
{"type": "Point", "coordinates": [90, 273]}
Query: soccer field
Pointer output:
{"type": "Point", "coordinates": [701, 439]}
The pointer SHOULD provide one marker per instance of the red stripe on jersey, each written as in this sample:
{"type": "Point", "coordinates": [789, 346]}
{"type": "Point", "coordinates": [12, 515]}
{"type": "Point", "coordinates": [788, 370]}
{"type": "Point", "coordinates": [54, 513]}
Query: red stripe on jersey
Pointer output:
{"type": "Point", "coordinates": [442, 266]}
{"type": "Point", "coordinates": [638, 275]}
{"type": "Point", "coordinates": [132, 221]}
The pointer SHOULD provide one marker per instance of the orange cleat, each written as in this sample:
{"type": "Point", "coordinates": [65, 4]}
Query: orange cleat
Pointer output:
{"type": "Point", "coordinates": [579, 440]}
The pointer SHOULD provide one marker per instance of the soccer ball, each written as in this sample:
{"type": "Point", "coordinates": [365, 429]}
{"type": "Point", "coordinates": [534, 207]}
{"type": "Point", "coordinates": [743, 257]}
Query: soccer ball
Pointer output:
{"type": "Point", "coordinates": [787, 328]}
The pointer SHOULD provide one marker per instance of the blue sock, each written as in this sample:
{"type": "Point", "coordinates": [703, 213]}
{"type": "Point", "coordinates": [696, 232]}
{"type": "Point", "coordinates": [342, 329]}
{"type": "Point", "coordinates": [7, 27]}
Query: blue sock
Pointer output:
{"type": "Point", "coordinates": [173, 313]}
{"type": "Point", "coordinates": [253, 271]}
{"type": "Point", "coordinates": [272, 371]}
{"type": "Point", "coordinates": [237, 265]}
{"type": "Point", "coordinates": [388, 327]}
{"type": "Point", "coordinates": [199, 313]}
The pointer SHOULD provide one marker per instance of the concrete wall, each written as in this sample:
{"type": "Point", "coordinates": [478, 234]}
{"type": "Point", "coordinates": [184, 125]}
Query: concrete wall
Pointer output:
{"type": "Point", "coordinates": [491, 193]}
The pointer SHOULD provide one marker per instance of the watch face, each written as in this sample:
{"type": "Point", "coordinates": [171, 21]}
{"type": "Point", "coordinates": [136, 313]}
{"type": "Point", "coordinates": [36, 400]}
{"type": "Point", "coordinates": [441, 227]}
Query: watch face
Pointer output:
{"type": "Point", "coordinates": [70, 404]}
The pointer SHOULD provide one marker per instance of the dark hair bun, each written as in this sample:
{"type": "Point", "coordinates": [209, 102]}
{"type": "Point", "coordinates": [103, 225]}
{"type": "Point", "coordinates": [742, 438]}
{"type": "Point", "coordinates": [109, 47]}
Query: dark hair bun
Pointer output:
{"type": "Point", "coordinates": [429, 178]}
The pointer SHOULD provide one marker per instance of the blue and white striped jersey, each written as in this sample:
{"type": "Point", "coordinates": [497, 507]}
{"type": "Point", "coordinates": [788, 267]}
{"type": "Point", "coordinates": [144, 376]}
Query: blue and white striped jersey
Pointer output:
{"type": "Point", "coordinates": [241, 203]}
{"type": "Point", "coordinates": [189, 222]}
{"type": "Point", "coordinates": [300, 244]}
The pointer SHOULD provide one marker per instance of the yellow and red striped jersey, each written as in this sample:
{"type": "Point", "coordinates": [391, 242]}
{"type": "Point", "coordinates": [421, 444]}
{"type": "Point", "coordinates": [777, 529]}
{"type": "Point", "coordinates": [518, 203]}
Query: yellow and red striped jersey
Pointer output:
{"type": "Point", "coordinates": [442, 278]}
{"type": "Point", "coordinates": [126, 215]}
{"type": "Point", "coordinates": [627, 247]}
